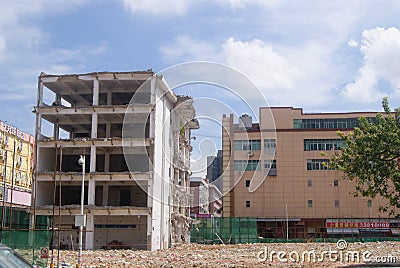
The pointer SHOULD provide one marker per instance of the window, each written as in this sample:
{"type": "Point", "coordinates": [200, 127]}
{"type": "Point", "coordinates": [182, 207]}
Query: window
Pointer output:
{"type": "Point", "coordinates": [323, 144]}
{"type": "Point", "coordinates": [269, 164]}
{"type": "Point", "coordinates": [246, 165]}
{"type": "Point", "coordinates": [309, 183]}
{"type": "Point", "coordinates": [318, 164]}
{"type": "Point", "coordinates": [247, 203]}
{"type": "Point", "coordinates": [369, 203]}
{"type": "Point", "coordinates": [328, 123]}
{"type": "Point", "coordinates": [270, 167]}
{"type": "Point", "coordinates": [336, 182]}
{"type": "Point", "coordinates": [336, 203]}
{"type": "Point", "coordinates": [247, 145]}
{"type": "Point", "coordinates": [247, 183]}
{"type": "Point", "coordinates": [309, 203]}
{"type": "Point", "coordinates": [269, 143]}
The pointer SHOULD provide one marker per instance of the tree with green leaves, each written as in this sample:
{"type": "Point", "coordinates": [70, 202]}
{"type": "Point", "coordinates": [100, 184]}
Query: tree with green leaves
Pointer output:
{"type": "Point", "coordinates": [371, 158]}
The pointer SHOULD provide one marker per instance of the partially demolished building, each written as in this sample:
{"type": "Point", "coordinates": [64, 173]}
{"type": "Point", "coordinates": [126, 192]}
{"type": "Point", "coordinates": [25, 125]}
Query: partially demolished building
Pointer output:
{"type": "Point", "coordinates": [135, 135]}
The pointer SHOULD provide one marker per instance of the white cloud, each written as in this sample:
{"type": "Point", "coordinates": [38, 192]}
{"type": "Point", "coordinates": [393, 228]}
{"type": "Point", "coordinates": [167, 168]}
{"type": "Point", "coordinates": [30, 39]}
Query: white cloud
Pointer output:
{"type": "Point", "coordinates": [181, 7]}
{"type": "Point", "coordinates": [243, 3]}
{"type": "Point", "coordinates": [188, 48]}
{"type": "Point", "coordinates": [381, 50]}
{"type": "Point", "coordinates": [158, 7]}
{"type": "Point", "coordinates": [265, 66]}
{"type": "Point", "coordinates": [352, 43]}
{"type": "Point", "coordinates": [285, 76]}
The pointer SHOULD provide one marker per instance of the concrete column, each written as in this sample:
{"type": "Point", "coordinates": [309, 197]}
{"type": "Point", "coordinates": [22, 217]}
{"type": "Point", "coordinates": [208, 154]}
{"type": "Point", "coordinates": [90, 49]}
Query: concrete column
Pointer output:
{"type": "Point", "coordinates": [56, 131]}
{"type": "Point", "coordinates": [92, 166]}
{"type": "Point", "coordinates": [109, 98]}
{"type": "Point", "coordinates": [40, 93]}
{"type": "Point", "coordinates": [92, 184]}
{"type": "Point", "coordinates": [107, 154]}
{"type": "Point", "coordinates": [149, 232]}
{"type": "Point", "coordinates": [94, 125]}
{"type": "Point", "coordinates": [105, 194]}
{"type": "Point", "coordinates": [37, 136]}
{"type": "Point", "coordinates": [107, 162]}
{"type": "Point", "coordinates": [89, 231]}
{"type": "Point", "coordinates": [95, 92]}
{"type": "Point", "coordinates": [108, 130]}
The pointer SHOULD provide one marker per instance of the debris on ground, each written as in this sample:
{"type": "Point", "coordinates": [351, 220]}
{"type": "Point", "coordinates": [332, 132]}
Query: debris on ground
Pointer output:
{"type": "Point", "coordinates": [240, 255]}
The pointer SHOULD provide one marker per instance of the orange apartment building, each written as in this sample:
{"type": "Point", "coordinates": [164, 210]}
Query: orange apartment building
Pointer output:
{"type": "Point", "coordinates": [273, 171]}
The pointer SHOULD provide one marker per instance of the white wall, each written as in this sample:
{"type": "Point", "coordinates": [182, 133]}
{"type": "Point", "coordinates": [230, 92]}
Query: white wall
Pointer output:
{"type": "Point", "coordinates": [161, 178]}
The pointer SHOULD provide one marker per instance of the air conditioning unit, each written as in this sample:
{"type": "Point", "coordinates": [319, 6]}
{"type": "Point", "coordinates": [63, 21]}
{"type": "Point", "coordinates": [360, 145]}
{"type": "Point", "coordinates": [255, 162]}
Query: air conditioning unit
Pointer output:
{"type": "Point", "coordinates": [250, 153]}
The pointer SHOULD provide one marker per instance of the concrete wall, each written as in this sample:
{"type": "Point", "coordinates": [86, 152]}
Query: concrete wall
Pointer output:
{"type": "Point", "coordinates": [161, 179]}
{"type": "Point", "coordinates": [46, 154]}
{"type": "Point", "coordinates": [129, 230]}
{"type": "Point", "coordinates": [44, 193]}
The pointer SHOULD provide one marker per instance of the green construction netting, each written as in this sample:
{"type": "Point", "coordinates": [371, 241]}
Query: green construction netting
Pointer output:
{"type": "Point", "coordinates": [224, 230]}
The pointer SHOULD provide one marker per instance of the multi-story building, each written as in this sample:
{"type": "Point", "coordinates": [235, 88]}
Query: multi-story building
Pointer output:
{"type": "Point", "coordinates": [16, 159]}
{"type": "Point", "coordinates": [205, 199]}
{"type": "Point", "coordinates": [274, 171]}
{"type": "Point", "coordinates": [214, 169]}
{"type": "Point", "coordinates": [215, 200]}
{"type": "Point", "coordinates": [134, 134]}
{"type": "Point", "coordinates": [199, 193]}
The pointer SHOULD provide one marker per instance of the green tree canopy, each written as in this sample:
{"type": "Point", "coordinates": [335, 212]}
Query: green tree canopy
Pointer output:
{"type": "Point", "coordinates": [371, 158]}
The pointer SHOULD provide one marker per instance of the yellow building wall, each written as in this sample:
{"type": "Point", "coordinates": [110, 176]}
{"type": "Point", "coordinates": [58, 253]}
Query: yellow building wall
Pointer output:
{"type": "Point", "coordinates": [16, 159]}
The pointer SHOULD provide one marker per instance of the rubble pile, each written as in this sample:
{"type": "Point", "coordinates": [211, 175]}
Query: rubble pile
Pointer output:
{"type": "Point", "coordinates": [241, 255]}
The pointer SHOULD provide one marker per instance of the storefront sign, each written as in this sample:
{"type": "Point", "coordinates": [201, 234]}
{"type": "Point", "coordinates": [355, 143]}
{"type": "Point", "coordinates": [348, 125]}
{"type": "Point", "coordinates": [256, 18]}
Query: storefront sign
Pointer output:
{"type": "Point", "coordinates": [335, 224]}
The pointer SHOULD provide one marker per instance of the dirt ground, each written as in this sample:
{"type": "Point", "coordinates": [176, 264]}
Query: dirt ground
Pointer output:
{"type": "Point", "coordinates": [242, 255]}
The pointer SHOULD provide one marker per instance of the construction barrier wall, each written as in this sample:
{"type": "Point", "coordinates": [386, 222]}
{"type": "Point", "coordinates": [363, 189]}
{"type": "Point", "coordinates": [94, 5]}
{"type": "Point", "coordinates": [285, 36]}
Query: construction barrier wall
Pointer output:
{"type": "Point", "coordinates": [253, 230]}
{"type": "Point", "coordinates": [16, 234]}
{"type": "Point", "coordinates": [224, 230]}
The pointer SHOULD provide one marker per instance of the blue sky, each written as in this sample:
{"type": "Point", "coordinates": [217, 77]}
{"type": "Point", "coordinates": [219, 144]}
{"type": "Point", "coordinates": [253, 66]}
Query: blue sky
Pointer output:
{"type": "Point", "coordinates": [319, 55]}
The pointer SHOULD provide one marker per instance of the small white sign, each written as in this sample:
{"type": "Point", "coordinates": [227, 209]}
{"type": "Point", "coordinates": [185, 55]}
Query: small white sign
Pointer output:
{"type": "Point", "coordinates": [80, 220]}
